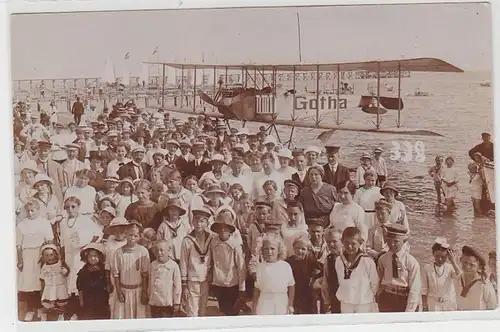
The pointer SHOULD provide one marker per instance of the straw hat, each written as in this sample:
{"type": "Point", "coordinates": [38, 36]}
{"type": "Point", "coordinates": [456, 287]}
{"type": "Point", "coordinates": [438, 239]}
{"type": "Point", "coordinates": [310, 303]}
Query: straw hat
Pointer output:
{"type": "Point", "coordinates": [285, 153]}
{"type": "Point", "coordinates": [218, 158]}
{"type": "Point", "coordinates": [109, 210]}
{"type": "Point", "coordinates": [174, 203]}
{"type": "Point", "coordinates": [396, 231]}
{"type": "Point", "coordinates": [225, 208]}
{"type": "Point", "coordinates": [312, 149]}
{"type": "Point", "coordinates": [139, 148]}
{"type": "Point", "coordinates": [111, 179]}
{"type": "Point", "coordinates": [365, 155]}
{"type": "Point", "coordinates": [96, 246]}
{"type": "Point", "coordinates": [114, 224]}
{"type": "Point", "coordinates": [173, 142]}
{"type": "Point", "coordinates": [214, 189]}
{"type": "Point", "coordinates": [201, 211]}
{"type": "Point", "coordinates": [218, 223]}
{"type": "Point", "coordinates": [389, 186]}
{"type": "Point", "coordinates": [42, 177]}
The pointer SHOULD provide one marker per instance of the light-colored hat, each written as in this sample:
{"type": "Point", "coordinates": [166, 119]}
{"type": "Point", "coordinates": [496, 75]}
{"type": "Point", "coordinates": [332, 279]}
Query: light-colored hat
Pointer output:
{"type": "Point", "coordinates": [225, 208]}
{"type": "Point", "coordinates": [218, 158]}
{"type": "Point", "coordinates": [111, 179]}
{"type": "Point", "coordinates": [312, 149]}
{"type": "Point", "coordinates": [285, 153]}
{"type": "Point", "coordinates": [109, 210]}
{"type": "Point", "coordinates": [389, 186]}
{"type": "Point", "coordinates": [185, 142]}
{"type": "Point", "coordinates": [72, 146]}
{"type": "Point", "coordinates": [112, 133]}
{"type": "Point", "coordinates": [378, 150]}
{"type": "Point", "coordinates": [173, 142]}
{"type": "Point", "coordinates": [116, 222]}
{"type": "Point", "coordinates": [59, 154]}
{"type": "Point", "coordinates": [96, 246]}
{"type": "Point", "coordinates": [442, 242]}
{"type": "Point", "coordinates": [270, 140]}
{"type": "Point", "coordinates": [42, 177]}
{"type": "Point", "coordinates": [139, 148]}
{"type": "Point", "coordinates": [30, 165]}
{"type": "Point", "coordinates": [202, 210]}
{"type": "Point", "coordinates": [214, 189]}
{"type": "Point", "coordinates": [365, 155]}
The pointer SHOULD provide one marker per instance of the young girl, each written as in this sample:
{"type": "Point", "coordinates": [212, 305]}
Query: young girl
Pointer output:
{"type": "Point", "coordinates": [174, 227]}
{"type": "Point", "coordinates": [77, 231]}
{"type": "Point", "coordinates": [53, 276]}
{"type": "Point", "coordinates": [83, 191]}
{"type": "Point", "coordinates": [31, 234]}
{"type": "Point", "coordinates": [438, 279]}
{"type": "Point", "coordinates": [191, 184]}
{"type": "Point", "coordinates": [164, 282]}
{"type": "Point", "coordinates": [330, 280]}
{"type": "Point", "coordinates": [366, 165]}
{"type": "Point", "coordinates": [274, 292]}
{"type": "Point", "coordinates": [474, 290]}
{"type": "Point", "coordinates": [236, 193]}
{"type": "Point", "coordinates": [126, 190]}
{"type": "Point", "coordinates": [435, 173]}
{"type": "Point", "coordinates": [49, 204]}
{"type": "Point", "coordinates": [92, 285]}
{"type": "Point", "coordinates": [449, 176]}
{"type": "Point", "coordinates": [175, 191]}
{"type": "Point", "coordinates": [476, 183]}
{"type": "Point", "coordinates": [228, 268]}
{"type": "Point", "coordinates": [194, 264]}
{"type": "Point", "coordinates": [357, 275]}
{"type": "Point", "coordinates": [24, 191]}
{"type": "Point", "coordinates": [104, 218]}
{"type": "Point", "coordinates": [130, 269]}
{"type": "Point", "coordinates": [144, 210]}
{"type": "Point", "coordinates": [306, 270]}
{"type": "Point", "coordinates": [116, 238]}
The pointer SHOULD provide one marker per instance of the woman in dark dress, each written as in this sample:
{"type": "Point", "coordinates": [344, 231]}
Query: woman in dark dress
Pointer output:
{"type": "Point", "coordinates": [144, 210]}
{"type": "Point", "coordinates": [92, 285]}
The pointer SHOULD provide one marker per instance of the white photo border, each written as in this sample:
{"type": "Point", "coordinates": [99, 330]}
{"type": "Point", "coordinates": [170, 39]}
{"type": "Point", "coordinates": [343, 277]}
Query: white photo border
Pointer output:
{"type": "Point", "coordinates": [8, 310]}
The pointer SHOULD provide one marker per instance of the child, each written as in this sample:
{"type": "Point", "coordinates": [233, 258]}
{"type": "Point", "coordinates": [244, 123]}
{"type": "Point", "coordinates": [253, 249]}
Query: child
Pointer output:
{"type": "Point", "coordinates": [257, 221]}
{"type": "Point", "coordinates": [157, 188]}
{"type": "Point", "coordinates": [243, 208]}
{"type": "Point", "coordinates": [77, 231]}
{"type": "Point", "coordinates": [316, 231]}
{"type": "Point", "coordinates": [474, 290]}
{"type": "Point", "coordinates": [357, 275]}
{"type": "Point", "coordinates": [31, 234]}
{"type": "Point", "coordinates": [53, 276]}
{"type": "Point", "coordinates": [376, 244]}
{"type": "Point", "coordinates": [228, 268]}
{"type": "Point", "coordinates": [435, 173]}
{"type": "Point", "coordinates": [449, 176]}
{"type": "Point", "coordinates": [236, 193]}
{"type": "Point", "coordinates": [306, 270]}
{"type": "Point", "coordinates": [399, 274]}
{"type": "Point", "coordinates": [194, 264]}
{"type": "Point", "coordinates": [105, 217]}
{"type": "Point", "coordinates": [83, 191]}
{"type": "Point", "coordinates": [116, 238]}
{"type": "Point", "coordinates": [148, 238]}
{"type": "Point", "coordinates": [366, 165]}
{"type": "Point", "coordinates": [110, 191]}
{"type": "Point", "coordinates": [438, 279]}
{"type": "Point", "coordinates": [295, 226]}
{"type": "Point", "coordinates": [274, 284]}
{"type": "Point", "coordinates": [130, 269]}
{"type": "Point", "coordinates": [128, 196]}
{"type": "Point", "coordinates": [476, 183]}
{"type": "Point", "coordinates": [92, 285]}
{"type": "Point", "coordinates": [164, 282]}
{"type": "Point", "coordinates": [330, 280]}
{"type": "Point", "coordinates": [143, 210]}
{"type": "Point", "coordinates": [174, 227]}
{"type": "Point", "coordinates": [492, 264]}
{"type": "Point", "coordinates": [191, 184]}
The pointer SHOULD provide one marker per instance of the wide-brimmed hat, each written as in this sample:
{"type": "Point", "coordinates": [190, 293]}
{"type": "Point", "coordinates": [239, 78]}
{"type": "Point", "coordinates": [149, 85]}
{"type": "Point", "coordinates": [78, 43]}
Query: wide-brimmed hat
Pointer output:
{"type": "Point", "coordinates": [49, 246]}
{"type": "Point", "coordinates": [378, 150]}
{"type": "Point", "coordinates": [174, 203]}
{"type": "Point", "coordinates": [389, 186]}
{"type": "Point", "coordinates": [219, 223]}
{"type": "Point", "coordinates": [471, 251]}
{"type": "Point", "coordinates": [225, 208]}
{"type": "Point", "coordinates": [95, 246]}
{"type": "Point", "coordinates": [109, 210]}
{"type": "Point", "coordinates": [42, 177]}
{"type": "Point", "coordinates": [115, 223]}
{"type": "Point", "coordinates": [243, 131]}
{"type": "Point", "coordinates": [202, 210]}
{"type": "Point", "coordinates": [313, 149]}
{"type": "Point", "coordinates": [285, 153]}
{"type": "Point", "coordinates": [72, 146]}
{"type": "Point", "coordinates": [272, 223]}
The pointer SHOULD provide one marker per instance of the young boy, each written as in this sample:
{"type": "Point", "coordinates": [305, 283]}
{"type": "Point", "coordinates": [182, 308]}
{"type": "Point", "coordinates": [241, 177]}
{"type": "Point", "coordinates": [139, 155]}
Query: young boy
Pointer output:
{"type": "Point", "coordinates": [316, 230]}
{"type": "Point", "coordinates": [194, 264]}
{"type": "Point", "coordinates": [330, 280]}
{"type": "Point", "coordinates": [375, 245]}
{"type": "Point", "coordinates": [228, 268]}
{"type": "Point", "coordinates": [257, 221]}
{"type": "Point", "coordinates": [306, 270]}
{"type": "Point", "coordinates": [399, 274]}
{"type": "Point", "coordinates": [164, 282]}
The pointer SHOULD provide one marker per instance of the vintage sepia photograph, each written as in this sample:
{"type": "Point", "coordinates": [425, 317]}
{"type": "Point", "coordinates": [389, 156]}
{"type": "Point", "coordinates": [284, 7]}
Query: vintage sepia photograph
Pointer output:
{"type": "Point", "coordinates": [312, 160]}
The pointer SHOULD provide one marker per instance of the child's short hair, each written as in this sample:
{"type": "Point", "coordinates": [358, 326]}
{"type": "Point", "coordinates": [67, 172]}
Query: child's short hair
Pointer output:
{"type": "Point", "coordinates": [190, 177]}
{"type": "Point", "coordinates": [246, 197]}
{"type": "Point", "coordinates": [32, 203]}
{"type": "Point", "coordinates": [143, 184]}
{"type": "Point", "coordinates": [270, 183]}
{"type": "Point", "coordinates": [106, 199]}
{"type": "Point", "coordinates": [302, 240]}
{"type": "Point", "coordinates": [174, 175]}
{"type": "Point", "coordinates": [450, 158]}
{"type": "Point", "coordinates": [331, 231]}
{"type": "Point", "coordinates": [237, 186]}
{"type": "Point", "coordinates": [350, 185]}
{"type": "Point", "coordinates": [162, 242]}
{"type": "Point", "coordinates": [294, 204]}
{"type": "Point", "coordinates": [81, 173]}
{"type": "Point", "coordinates": [351, 232]}
{"type": "Point", "coordinates": [438, 247]}
{"type": "Point", "coordinates": [73, 199]}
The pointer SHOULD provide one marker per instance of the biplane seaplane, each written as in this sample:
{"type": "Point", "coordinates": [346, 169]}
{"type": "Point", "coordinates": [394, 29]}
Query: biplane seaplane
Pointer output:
{"type": "Point", "coordinates": [255, 98]}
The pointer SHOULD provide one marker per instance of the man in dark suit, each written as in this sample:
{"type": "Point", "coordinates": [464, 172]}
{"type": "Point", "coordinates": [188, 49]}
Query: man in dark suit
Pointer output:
{"type": "Point", "coordinates": [335, 173]}
{"type": "Point", "coordinates": [135, 169]}
{"type": "Point", "coordinates": [485, 148]}
{"type": "Point", "coordinates": [200, 164]}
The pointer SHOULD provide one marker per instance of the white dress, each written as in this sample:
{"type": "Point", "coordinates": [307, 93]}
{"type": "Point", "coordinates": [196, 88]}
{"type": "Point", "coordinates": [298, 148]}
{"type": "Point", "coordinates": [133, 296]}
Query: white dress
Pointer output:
{"type": "Point", "coordinates": [476, 186]}
{"type": "Point", "coordinates": [31, 234]}
{"type": "Point", "coordinates": [449, 174]}
{"type": "Point", "coordinates": [366, 198]}
{"type": "Point", "coordinates": [438, 283]}
{"type": "Point", "coordinates": [56, 288]}
{"type": "Point", "coordinates": [273, 280]}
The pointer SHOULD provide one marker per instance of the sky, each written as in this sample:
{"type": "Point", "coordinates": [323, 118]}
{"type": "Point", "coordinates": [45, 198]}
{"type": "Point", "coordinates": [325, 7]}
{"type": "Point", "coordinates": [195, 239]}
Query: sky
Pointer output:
{"type": "Point", "coordinates": [75, 45]}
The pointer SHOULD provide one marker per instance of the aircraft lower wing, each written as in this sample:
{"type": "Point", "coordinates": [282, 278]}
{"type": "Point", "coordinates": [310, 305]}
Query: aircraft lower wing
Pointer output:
{"type": "Point", "coordinates": [312, 125]}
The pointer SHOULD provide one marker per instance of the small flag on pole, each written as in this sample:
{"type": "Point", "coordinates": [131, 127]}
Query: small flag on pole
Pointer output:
{"type": "Point", "coordinates": [155, 51]}
{"type": "Point", "coordinates": [127, 56]}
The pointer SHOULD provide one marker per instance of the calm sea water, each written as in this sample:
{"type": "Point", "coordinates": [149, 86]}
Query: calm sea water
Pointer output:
{"type": "Point", "coordinates": [458, 108]}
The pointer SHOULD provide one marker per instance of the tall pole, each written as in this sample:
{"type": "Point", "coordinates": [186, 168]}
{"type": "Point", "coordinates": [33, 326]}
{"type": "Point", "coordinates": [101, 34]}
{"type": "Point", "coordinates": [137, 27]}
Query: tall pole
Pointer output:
{"type": "Point", "coordinates": [298, 33]}
{"type": "Point", "coordinates": [338, 95]}
{"type": "Point", "coordinates": [378, 95]}
{"type": "Point", "coordinates": [317, 94]}
{"type": "Point", "coordinates": [398, 124]}
{"type": "Point", "coordinates": [163, 86]}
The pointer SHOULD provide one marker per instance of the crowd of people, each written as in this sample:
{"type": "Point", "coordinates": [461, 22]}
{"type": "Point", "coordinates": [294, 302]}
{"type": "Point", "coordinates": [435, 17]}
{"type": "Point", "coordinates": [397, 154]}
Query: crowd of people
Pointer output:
{"type": "Point", "coordinates": [138, 214]}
